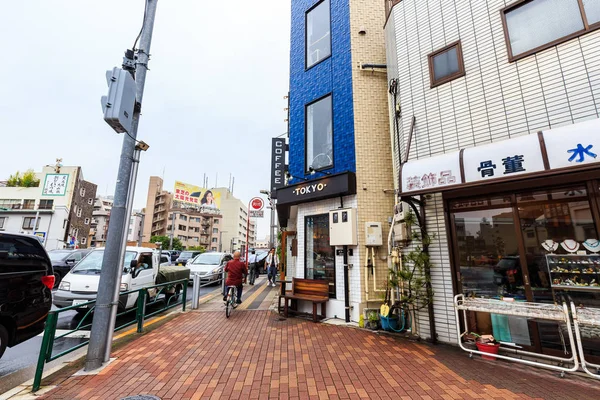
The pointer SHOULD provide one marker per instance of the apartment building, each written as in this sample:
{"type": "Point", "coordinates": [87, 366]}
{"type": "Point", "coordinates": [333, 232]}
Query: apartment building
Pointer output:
{"type": "Point", "coordinates": [339, 153]}
{"type": "Point", "coordinates": [58, 210]}
{"type": "Point", "coordinates": [136, 226]}
{"type": "Point", "coordinates": [218, 227]}
{"type": "Point", "coordinates": [495, 131]}
{"type": "Point", "coordinates": [100, 220]}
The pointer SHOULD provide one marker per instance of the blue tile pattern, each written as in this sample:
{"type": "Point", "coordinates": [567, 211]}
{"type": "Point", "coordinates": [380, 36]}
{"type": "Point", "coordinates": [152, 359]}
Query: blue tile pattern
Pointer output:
{"type": "Point", "coordinates": [333, 75]}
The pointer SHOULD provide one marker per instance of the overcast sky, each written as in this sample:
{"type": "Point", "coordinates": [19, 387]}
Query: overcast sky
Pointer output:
{"type": "Point", "coordinates": [213, 97]}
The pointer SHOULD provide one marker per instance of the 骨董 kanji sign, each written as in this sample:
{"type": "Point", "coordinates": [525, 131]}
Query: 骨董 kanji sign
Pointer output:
{"type": "Point", "coordinates": [569, 146]}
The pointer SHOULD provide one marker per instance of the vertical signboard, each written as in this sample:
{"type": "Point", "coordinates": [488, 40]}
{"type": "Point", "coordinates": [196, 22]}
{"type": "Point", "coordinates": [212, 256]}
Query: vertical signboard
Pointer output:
{"type": "Point", "coordinates": [277, 165]}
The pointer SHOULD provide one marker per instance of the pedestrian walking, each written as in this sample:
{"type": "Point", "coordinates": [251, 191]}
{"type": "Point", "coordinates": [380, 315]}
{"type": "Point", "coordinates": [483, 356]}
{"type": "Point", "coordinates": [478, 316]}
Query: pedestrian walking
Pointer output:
{"type": "Point", "coordinates": [272, 263]}
{"type": "Point", "coordinates": [253, 268]}
{"type": "Point", "coordinates": [236, 274]}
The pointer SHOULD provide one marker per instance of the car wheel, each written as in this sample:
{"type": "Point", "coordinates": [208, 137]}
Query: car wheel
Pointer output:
{"type": "Point", "coordinates": [3, 339]}
{"type": "Point", "coordinates": [57, 279]}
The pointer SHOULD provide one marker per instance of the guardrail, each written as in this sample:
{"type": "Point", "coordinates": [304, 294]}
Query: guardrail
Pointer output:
{"type": "Point", "coordinates": [170, 299]}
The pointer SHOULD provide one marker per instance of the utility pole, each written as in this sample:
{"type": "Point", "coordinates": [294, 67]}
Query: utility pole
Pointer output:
{"type": "Point", "coordinates": [110, 278]}
{"type": "Point", "coordinates": [172, 230]}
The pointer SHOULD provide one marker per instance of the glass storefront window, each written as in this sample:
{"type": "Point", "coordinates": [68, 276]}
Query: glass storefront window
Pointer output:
{"type": "Point", "coordinates": [319, 256]}
{"type": "Point", "coordinates": [489, 253]}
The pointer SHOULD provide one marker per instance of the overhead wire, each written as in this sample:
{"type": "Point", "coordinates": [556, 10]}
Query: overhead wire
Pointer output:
{"type": "Point", "coordinates": [142, 28]}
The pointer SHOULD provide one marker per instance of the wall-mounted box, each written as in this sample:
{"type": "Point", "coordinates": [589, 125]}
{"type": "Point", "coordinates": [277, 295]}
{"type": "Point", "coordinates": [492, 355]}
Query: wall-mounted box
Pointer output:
{"type": "Point", "coordinates": [373, 234]}
{"type": "Point", "coordinates": [342, 227]}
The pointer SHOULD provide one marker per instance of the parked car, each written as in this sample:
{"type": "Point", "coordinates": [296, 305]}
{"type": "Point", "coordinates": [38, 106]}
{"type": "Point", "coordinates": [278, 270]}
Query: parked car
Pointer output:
{"type": "Point", "coordinates": [142, 268]}
{"type": "Point", "coordinates": [63, 261]}
{"type": "Point", "coordinates": [186, 256]}
{"type": "Point", "coordinates": [174, 255]}
{"type": "Point", "coordinates": [209, 265]}
{"type": "Point", "coordinates": [165, 257]}
{"type": "Point", "coordinates": [26, 282]}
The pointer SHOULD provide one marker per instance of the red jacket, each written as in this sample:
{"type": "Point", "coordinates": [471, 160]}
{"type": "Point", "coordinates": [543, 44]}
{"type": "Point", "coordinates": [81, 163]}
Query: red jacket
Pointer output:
{"type": "Point", "coordinates": [235, 272]}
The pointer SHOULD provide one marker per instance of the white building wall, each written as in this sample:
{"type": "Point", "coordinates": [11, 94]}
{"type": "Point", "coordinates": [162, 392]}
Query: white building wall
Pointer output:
{"type": "Point", "coordinates": [335, 307]}
{"type": "Point", "coordinates": [494, 101]}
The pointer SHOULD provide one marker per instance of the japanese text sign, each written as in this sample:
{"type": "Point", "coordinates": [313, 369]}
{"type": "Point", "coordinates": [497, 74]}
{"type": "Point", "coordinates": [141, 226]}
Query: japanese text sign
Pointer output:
{"type": "Point", "coordinates": [196, 195]}
{"type": "Point", "coordinates": [431, 173]}
{"type": "Point", "coordinates": [573, 145]}
{"type": "Point", "coordinates": [521, 155]}
{"type": "Point", "coordinates": [55, 185]}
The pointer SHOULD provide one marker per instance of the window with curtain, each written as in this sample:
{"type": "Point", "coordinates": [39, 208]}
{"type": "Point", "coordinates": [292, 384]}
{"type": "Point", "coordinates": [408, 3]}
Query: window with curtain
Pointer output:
{"type": "Point", "coordinates": [446, 64]}
{"type": "Point", "coordinates": [319, 134]}
{"type": "Point", "coordinates": [318, 34]}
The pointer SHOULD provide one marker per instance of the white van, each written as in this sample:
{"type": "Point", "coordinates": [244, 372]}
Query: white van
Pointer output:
{"type": "Point", "coordinates": [140, 270]}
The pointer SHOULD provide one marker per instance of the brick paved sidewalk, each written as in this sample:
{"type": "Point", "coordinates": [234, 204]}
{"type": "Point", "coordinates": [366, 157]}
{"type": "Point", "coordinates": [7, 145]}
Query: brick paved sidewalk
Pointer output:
{"type": "Point", "coordinates": [256, 355]}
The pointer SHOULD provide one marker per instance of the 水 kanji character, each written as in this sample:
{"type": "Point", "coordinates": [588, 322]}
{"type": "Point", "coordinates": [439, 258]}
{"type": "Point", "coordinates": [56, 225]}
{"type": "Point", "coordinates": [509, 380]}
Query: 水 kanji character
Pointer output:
{"type": "Point", "coordinates": [513, 164]}
{"type": "Point", "coordinates": [486, 168]}
{"type": "Point", "coordinates": [580, 152]}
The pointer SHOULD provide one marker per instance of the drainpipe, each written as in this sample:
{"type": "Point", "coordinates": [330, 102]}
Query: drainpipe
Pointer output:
{"type": "Point", "coordinates": [346, 285]}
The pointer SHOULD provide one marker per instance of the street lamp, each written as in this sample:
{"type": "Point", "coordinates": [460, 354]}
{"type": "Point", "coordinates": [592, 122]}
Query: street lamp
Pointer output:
{"type": "Point", "coordinates": [272, 225]}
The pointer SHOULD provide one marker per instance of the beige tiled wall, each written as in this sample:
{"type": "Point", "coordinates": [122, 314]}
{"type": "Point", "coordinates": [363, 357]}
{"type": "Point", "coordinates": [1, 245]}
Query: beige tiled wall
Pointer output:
{"type": "Point", "coordinates": [374, 171]}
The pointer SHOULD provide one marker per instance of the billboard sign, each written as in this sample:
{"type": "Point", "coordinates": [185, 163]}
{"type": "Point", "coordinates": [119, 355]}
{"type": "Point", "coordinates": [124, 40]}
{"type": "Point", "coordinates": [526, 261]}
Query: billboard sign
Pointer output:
{"type": "Point", "coordinates": [277, 165]}
{"type": "Point", "coordinates": [55, 185]}
{"type": "Point", "coordinates": [195, 195]}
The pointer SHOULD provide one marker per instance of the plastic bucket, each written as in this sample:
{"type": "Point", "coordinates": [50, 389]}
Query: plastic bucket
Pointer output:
{"type": "Point", "coordinates": [389, 323]}
{"type": "Point", "coordinates": [488, 348]}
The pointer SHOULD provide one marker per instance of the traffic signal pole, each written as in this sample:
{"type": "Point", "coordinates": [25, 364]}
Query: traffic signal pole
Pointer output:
{"type": "Point", "coordinates": [110, 277]}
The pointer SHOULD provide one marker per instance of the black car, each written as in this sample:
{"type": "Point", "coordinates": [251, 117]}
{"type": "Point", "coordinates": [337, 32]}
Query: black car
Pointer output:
{"type": "Point", "coordinates": [26, 282]}
{"type": "Point", "coordinates": [174, 254]}
{"type": "Point", "coordinates": [63, 261]}
{"type": "Point", "coordinates": [185, 256]}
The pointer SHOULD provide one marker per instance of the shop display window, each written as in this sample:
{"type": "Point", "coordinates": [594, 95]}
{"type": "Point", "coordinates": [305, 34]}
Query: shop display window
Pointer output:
{"type": "Point", "coordinates": [319, 255]}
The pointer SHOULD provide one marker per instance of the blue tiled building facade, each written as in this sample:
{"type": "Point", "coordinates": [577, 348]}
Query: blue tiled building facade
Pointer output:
{"type": "Point", "coordinates": [332, 75]}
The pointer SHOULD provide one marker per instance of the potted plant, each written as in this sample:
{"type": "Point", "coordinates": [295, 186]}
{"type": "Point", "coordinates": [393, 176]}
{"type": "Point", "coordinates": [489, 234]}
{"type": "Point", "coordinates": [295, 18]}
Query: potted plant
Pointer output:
{"type": "Point", "coordinates": [372, 320]}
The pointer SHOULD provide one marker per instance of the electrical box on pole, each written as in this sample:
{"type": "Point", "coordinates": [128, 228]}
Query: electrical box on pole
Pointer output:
{"type": "Point", "coordinates": [118, 106]}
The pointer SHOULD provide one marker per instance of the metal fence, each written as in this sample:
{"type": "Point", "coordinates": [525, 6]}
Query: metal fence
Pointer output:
{"type": "Point", "coordinates": [170, 298]}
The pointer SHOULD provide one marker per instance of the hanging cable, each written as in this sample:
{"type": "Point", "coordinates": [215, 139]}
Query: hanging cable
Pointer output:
{"type": "Point", "coordinates": [142, 28]}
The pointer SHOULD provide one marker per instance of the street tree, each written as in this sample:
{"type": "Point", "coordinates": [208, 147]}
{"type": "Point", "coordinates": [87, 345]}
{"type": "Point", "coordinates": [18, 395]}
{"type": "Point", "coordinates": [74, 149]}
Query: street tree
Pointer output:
{"type": "Point", "coordinates": [165, 241]}
{"type": "Point", "coordinates": [201, 249]}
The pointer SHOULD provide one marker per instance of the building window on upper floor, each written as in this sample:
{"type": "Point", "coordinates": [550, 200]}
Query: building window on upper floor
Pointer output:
{"type": "Point", "coordinates": [183, 217]}
{"type": "Point", "coordinates": [83, 240]}
{"type": "Point", "coordinates": [28, 204]}
{"type": "Point", "coordinates": [534, 25]}
{"type": "Point", "coordinates": [319, 134]}
{"type": "Point", "coordinates": [82, 192]}
{"type": "Point", "coordinates": [46, 204]}
{"type": "Point", "coordinates": [214, 249]}
{"type": "Point", "coordinates": [215, 230]}
{"type": "Point", "coordinates": [90, 201]}
{"type": "Point", "coordinates": [214, 240]}
{"type": "Point", "coordinates": [86, 221]}
{"type": "Point", "coordinates": [216, 222]}
{"type": "Point", "coordinates": [79, 210]}
{"type": "Point", "coordinates": [318, 33]}
{"type": "Point", "coordinates": [446, 64]}
{"type": "Point", "coordinates": [29, 221]}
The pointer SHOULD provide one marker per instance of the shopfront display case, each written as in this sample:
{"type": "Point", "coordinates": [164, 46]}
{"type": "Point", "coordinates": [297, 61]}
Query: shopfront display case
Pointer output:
{"type": "Point", "coordinates": [578, 272]}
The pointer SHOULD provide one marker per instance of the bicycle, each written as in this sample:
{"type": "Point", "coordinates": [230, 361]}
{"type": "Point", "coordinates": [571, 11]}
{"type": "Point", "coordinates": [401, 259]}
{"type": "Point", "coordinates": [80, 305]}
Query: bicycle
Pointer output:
{"type": "Point", "coordinates": [230, 303]}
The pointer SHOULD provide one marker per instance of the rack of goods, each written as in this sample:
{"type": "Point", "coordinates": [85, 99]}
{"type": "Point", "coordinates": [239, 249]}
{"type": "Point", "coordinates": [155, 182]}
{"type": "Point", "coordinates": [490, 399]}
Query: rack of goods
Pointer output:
{"type": "Point", "coordinates": [586, 321]}
{"type": "Point", "coordinates": [537, 311]}
{"type": "Point", "coordinates": [574, 271]}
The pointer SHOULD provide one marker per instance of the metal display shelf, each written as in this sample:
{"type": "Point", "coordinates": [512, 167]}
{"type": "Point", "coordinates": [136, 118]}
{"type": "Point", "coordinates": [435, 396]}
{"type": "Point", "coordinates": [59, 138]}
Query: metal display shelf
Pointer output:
{"type": "Point", "coordinates": [550, 312]}
{"type": "Point", "coordinates": [577, 272]}
{"type": "Point", "coordinates": [586, 317]}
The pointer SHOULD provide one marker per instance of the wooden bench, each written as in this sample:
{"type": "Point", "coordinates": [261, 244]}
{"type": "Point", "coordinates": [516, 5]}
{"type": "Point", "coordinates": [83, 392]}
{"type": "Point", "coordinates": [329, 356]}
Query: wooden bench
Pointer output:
{"type": "Point", "coordinates": [311, 290]}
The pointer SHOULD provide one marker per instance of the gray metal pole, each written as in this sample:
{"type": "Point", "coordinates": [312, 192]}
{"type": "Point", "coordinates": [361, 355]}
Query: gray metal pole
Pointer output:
{"type": "Point", "coordinates": [113, 311]}
{"type": "Point", "coordinates": [172, 230]}
{"type": "Point", "coordinates": [110, 278]}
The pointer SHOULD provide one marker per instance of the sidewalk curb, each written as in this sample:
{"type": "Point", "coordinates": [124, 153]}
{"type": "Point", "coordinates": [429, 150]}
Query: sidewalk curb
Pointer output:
{"type": "Point", "coordinates": [23, 391]}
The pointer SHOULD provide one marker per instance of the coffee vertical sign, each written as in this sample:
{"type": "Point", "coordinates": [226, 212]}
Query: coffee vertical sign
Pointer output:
{"type": "Point", "coordinates": [277, 165]}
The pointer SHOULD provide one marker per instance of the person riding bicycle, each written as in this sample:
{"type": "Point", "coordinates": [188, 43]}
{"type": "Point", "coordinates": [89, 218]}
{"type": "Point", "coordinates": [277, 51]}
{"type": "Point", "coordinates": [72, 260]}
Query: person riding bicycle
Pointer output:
{"type": "Point", "coordinates": [236, 272]}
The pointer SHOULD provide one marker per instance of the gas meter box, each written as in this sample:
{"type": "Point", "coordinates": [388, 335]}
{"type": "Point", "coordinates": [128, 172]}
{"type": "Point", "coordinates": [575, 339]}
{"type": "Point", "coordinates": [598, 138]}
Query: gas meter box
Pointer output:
{"type": "Point", "coordinates": [373, 234]}
{"type": "Point", "coordinates": [342, 227]}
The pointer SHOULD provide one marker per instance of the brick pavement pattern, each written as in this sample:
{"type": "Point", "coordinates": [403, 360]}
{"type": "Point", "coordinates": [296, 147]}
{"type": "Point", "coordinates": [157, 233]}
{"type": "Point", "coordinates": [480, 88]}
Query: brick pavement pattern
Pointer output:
{"type": "Point", "coordinates": [258, 355]}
